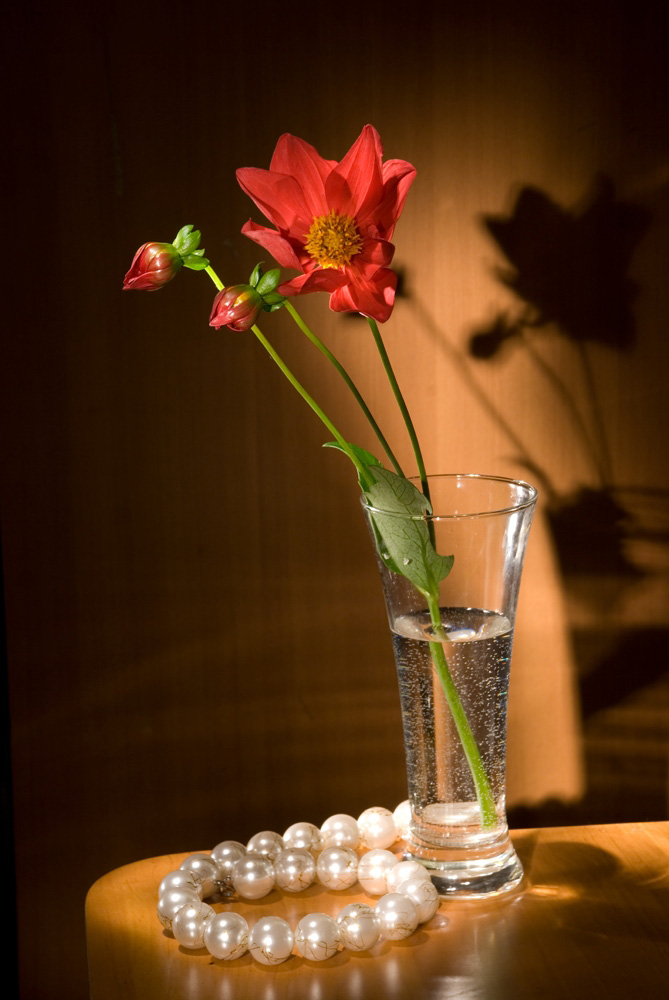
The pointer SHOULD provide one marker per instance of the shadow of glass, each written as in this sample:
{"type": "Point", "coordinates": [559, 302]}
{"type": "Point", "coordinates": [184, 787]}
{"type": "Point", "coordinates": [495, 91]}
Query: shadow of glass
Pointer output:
{"type": "Point", "coordinates": [588, 890]}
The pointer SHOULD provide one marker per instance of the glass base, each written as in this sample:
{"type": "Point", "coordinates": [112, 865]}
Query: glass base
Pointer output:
{"type": "Point", "coordinates": [471, 874]}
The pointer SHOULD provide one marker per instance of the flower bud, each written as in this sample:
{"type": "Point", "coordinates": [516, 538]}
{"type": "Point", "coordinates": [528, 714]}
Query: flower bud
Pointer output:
{"type": "Point", "coordinates": [153, 266]}
{"type": "Point", "coordinates": [236, 307]}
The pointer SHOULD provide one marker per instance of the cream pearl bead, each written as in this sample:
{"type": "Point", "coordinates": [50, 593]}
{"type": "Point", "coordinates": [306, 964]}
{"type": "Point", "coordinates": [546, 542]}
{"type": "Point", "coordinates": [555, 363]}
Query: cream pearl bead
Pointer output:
{"type": "Point", "coordinates": [271, 940]}
{"type": "Point", "coordinates": [294, 869]}
{"type": "Point", "coordinates": [337, 867]}
{"type": "Point", "coordinates": [317, 937]}
{"type": "Point", "coordinates": [225, 854]}
{"type": "Point", "coordinates": [171, 902]}
{"type": "Point", "coordinates": [190, 923]}
{"type": "Point", "coordinates": [181, 879]}
{"type": "Point", "coordinates": [303, 835]}
{"type": "Point", "coordinates": [397, 916]}
{"type": "Point", "coordinates": [403, 871]}
{"type": "Point", "coordinates": [204, 866]}
{"type": "Point", "coordinates": [267, 843]}
{"type": "Point", "coordinates": [253, 876]}
{"type": "Point", "coordinates": [228, 850]}
{"type": "Point", "coordinates": [377, 827]}
{"type": "Point", "coordinates": [423, 894]}
{"type": "Point", "coordinates": [226, 936]}
{"type": "Point", "coordinates": [402, 817]}
{"type": "Point", "coordinates": [359, 927]}
{"type": "Point", "coordinates": [340, 830]}
{"type": "Point", "coordinates": [372, 870]}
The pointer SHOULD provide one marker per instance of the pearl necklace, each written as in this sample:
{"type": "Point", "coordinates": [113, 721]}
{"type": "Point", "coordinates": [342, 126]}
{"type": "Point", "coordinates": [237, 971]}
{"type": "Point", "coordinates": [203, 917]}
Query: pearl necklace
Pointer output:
{"type": "Point", "coordinates": [293, 862]}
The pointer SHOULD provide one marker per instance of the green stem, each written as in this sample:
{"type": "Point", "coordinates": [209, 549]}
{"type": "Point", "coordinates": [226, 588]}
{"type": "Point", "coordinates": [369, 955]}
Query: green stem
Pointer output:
{"type": "Point", "coordinates": [344, 445]}
{"type": "Point", "coordinates": [397, 392]}
{"type": "Point", "coordinates": [214, 277]}
{"type": "Point", "coordinates": [349, 382]}
{"type": "Point", "coordinates": [472, 753]}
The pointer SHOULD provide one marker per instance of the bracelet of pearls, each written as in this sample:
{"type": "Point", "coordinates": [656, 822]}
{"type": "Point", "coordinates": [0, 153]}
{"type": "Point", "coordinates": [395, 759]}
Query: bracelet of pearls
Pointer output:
{"type": "Point", "coordinates": [293, 862]}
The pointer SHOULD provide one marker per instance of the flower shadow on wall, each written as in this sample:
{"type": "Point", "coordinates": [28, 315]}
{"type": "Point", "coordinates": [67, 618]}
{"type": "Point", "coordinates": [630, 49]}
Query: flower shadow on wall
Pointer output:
{"type": "Point", "coordinates": [568, 269]}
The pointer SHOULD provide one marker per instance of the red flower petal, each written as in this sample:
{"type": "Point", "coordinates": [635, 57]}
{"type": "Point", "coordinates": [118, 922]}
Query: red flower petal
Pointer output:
{"type": "Point", "coordinates": [278, 196]}
{"type": "Point", "coordinates": [319, 280]}
{"type": "Point", "coordinates": [279, 247]}
{"type": "Point", "coordinates": [376, 252]}
{"type": "Point", "coordinates": [398, 176]}
{"type": "Point", "coordinates": [371, 298]}
{"type": "Point", "coordinates": [299, 159]}
{"type": "Point", "coordinates": [357, 182]}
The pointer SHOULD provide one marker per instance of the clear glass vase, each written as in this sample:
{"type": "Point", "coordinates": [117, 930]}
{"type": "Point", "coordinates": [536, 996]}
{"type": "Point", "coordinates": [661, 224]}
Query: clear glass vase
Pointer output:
{"type": "Point", "coordinates": [453, 678]}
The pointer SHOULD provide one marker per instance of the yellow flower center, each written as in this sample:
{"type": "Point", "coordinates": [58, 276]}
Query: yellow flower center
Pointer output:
{"type": "Point", "coordinates": [333, 239]}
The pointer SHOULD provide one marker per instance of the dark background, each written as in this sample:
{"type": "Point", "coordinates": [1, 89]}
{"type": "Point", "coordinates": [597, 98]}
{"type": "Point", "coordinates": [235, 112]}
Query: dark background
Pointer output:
{"type": "Point", "coordinates": [196, 645]}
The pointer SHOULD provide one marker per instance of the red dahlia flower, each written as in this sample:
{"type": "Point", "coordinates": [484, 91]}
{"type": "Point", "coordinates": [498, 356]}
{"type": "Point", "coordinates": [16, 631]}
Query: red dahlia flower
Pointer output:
{"type": "Point", "coordinates": [333, 220]}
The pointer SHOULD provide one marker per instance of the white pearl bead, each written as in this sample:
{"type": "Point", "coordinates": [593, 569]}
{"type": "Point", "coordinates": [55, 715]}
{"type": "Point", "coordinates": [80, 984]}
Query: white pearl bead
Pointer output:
{"type": "Point", "coordinates": [377, 827]}
{"type": "Point", "coordinates": [303, 835]}
{"type": "Point", "coordinates": [226, 936]}
{"type": "Point", "coordinates": [225, 854]}
{"type": "Point", "coordinates": [294, 869]}
{"type": "Point", "coordinates": [403, 871]}
{"type": "Point", "coordinates": [228, 850]}
{"type": "Point", "coordinates": [337, 868]}
{"type": "Point", "coordinates": [397, 916]}
{"type": "Point", "coordinates": [267, 843]}
{"type": "Point", "coordinates": [423, 895]}
{"type": "Point", "coordinates": [372, 870]}
{"type": "Point", "coordinates": [359, 927]}
{"type": "Point", "coordinates": [402, 817]}
{"type": "Point", "coordinates": [170, 902]}
{"type": "Point", "coordinates": [253, 876]}
{"type": "Point", "coordinates": [340, 830]}
{"type": "Point", "coordinates": [271, 940]}
{"type": "Point", "coordinates": [317, 937]}
{"type": "Point", "coordinates": [181, 879]}
{"type": "Point", "coordinates": [190, 923]}
{"type": "Point", "coordinates": [204, 866]}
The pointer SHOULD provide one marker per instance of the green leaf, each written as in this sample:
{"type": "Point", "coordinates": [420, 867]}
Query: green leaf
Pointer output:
{"type": "Point", "coordinates": [405, 540]}
{"type": "Point", "coordinates": [274, 299]}
{"type": "Point", "coordinates": [382, 550]}
{"type": "Point", "coordinates": [269, 281]}
{"type": "Point", "coordinates": [256, 274]}
{"type": "Point", "coordinates": [365, 457]}
{"type": "Point", "coordinates": [183, 234]}
{"type": "Point", "coordinates": [187, 240]}
{"type": "Point", "coordinates": [195, 263]}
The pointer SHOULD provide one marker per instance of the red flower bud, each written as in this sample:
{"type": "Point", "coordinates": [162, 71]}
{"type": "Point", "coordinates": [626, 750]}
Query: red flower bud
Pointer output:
{"type": "Point", "coordinates": [236, 307]}
{"type": "Point", "coordinates": [153, 266]}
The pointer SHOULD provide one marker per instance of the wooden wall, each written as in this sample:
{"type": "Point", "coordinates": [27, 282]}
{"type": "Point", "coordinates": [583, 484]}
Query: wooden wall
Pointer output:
{"type": "Point", "coordinates": [196, 643]}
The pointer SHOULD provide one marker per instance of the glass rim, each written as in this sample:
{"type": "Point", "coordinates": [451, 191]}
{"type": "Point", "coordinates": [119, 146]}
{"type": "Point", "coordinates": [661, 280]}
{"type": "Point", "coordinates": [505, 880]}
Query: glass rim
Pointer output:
{"type": "Point", "coordinates": [529, 501]}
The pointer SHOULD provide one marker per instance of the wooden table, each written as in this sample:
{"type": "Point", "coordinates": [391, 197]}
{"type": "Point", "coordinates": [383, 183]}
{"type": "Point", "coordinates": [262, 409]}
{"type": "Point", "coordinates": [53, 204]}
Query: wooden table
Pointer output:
{"type": "Point", "coordinates": [591, 922]}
